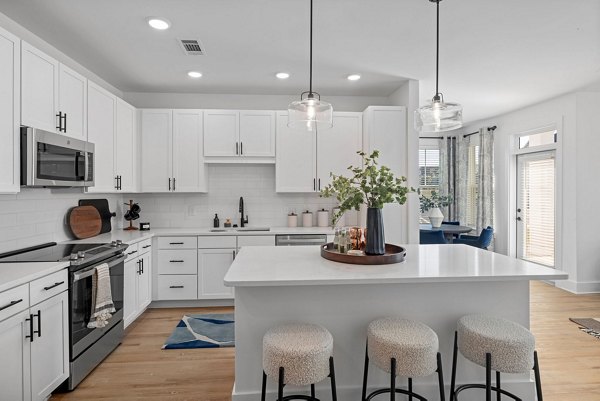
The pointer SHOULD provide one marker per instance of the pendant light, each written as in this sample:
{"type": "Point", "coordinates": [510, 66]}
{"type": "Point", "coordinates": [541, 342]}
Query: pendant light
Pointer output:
{"type": "Point", "coordinates": [310, 112]}
{"type": "Point", "coordinates": [438, 116]}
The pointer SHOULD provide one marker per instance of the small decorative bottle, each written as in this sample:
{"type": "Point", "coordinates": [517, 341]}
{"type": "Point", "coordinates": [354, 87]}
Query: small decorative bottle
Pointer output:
{"type": "Point", "coordinates": [343, 241]}
{"type": "Point", "coordinates": [336, 240]}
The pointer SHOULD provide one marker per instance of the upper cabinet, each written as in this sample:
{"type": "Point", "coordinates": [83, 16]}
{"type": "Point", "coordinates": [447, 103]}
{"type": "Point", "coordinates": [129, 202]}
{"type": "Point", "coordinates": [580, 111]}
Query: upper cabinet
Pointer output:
{"type": "Point", "coordinates": [172, 151]}
{"type": "Point", "coordinates": [305, 159]}
{"type": "Point", "coordinates": [239, 136]}
{"type": "Point", "coordinates": [125, 147]}
{"type": "Point", "coordinates": [101, 132]}
{"type": "Point", "coordinates": [53, 97]}
{"type": "Point", "coordinates": [9, 112]}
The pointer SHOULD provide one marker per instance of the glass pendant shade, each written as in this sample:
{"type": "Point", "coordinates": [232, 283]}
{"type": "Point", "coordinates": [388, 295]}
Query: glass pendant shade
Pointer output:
{"type": "Point", "coordinates": [438, 116]}
{"type": "Point", "coordinates": [310, 113]}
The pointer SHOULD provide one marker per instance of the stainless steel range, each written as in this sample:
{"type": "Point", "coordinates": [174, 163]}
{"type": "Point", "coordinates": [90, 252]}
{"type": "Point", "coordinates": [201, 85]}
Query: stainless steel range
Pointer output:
{"type": "Point", "coordinates": [88, 347]}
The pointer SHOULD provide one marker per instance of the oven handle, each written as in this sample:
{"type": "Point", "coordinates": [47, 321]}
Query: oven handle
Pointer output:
{"type": "Point", "coordinates": [89, 272]}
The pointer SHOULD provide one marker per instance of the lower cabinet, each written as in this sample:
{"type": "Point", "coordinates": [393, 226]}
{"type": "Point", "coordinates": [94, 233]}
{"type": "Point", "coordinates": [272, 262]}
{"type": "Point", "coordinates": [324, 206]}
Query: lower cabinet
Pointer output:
{"type": "Point", "coordinates": [138, 286]}
{"type": "Point", "coordinates": [15, 379]}
{"type": "Point", "coordinates": [212, 267]}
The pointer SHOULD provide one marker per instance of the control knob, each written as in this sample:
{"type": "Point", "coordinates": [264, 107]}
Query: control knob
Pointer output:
{"type": "Point", "coordinates": [81, 254]}
{"type": "Point", "coordinates": [73, 256]}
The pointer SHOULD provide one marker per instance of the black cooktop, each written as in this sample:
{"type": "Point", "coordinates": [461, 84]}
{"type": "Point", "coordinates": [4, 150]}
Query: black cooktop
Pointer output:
{"type": "Point", "coordinates": [51, 253]}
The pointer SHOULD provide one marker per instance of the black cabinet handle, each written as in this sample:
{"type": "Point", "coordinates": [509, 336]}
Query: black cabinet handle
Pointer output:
{"type": "Point", "coordinates": [236, 148]}
{"type": "Point", "coordinates": [241, 148]}
{"type": "Point", "coordinates": [11, 304]}
{"type": "Point", "coordinates": [169, 184]}
{"type": "Point", "coordinates": [142, 260]}
{"type": "Point", "coordinates": [175, 243]}
{"type": "Point", "coordinates": [30, 320]}
{"type": "Point", "coordinates": [234, 255]}
{"type": "Point", "coordinates": [319, 184]}
{"type": "Point", "coordinates": [175, 261]}
{"type": "Point", "coordinates": [173, 184]}
{"type": "Point", "coordinates": [53, 286]}
{"type": "Point", "coordinates": [65, 126]}
{"type": "Point", "coordinates": [146, 246]}
{"type": "Point", "coordinates": [39, 330]}
{"type": "Point", "coordinates": [139, 270]}
{"type": "Point", "coordinates": [176, 286]}
{"type": "Point", "coordinates": [60, 119]}
{"type": "Point", "coordinates": [119, 182]}
{"type": "Point", "coordinates": [314, 184]}
{"type": "Point", "coordinates": [131, 253]}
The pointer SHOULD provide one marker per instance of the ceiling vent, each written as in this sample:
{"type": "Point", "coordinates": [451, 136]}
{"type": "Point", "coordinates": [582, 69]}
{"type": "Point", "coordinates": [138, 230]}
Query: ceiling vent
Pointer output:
{"type": "Point", "coordinates": [192, 47]}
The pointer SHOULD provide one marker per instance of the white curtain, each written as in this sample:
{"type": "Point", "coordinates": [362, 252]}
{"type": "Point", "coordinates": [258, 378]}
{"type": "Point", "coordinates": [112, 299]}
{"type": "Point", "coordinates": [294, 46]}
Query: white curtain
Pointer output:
{"type": "Point", "coordinates": [485, 203]}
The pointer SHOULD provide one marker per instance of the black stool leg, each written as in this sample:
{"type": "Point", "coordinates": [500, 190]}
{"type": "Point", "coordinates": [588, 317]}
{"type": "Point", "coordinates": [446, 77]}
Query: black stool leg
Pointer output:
{"type": "Point", "coordinates": [366, 373]}
{"type": "Point", "coordinates": [498, 393]}
{"type": "Point", "coordinates": [264, 387]}
{"type": "Point", "coordinates": [332, 375]}
{"type": "Point", "coordinates": [410, 389]}
{"type": "Point", "coordinates": [453, 379]}
{"type": "Point", "coordinates": [488, 377]}
{"type": "Point", "coordinates": [538, 381]}
{"type": "Point", "coordinates": [441, 377]}
{"type": "Point", "coordinates": [280, 387]}
{"type": "Point", "coordinates": [393, 380]}
{"type": "Point", "coordinates": [312, 390]}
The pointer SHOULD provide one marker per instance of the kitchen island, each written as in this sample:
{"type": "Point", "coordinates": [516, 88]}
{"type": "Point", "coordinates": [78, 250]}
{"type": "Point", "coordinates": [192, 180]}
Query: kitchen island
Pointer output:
{"type": "Point", "coordinates": [436, 284]}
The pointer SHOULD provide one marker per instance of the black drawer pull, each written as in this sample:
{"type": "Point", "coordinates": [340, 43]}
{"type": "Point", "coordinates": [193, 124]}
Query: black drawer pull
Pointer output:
{"type": "Point", "coordinates": [176, 286]}
{"type": "Point", "coordinates": [11, 304]}
{"type": "Point", "coordinates": [53, 286]}
{"type": "Point", "coordinates": [131, 253]}
{"type": "Point", "coordinates": [146, 246]}
{"type": "Point", "coordinates": [175, 243]}
{"type": "Point", "coordinates": [176, 261]}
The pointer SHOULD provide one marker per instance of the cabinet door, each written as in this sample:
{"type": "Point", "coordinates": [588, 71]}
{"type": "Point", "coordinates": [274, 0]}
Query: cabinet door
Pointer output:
{"type": "Point", "coordinates": [156, 137]}
{"type": "Point", "coordinates": [221, 133]}
{"type": "Point", "coordinates": [72, 100]}
{"type": "Point", "coordinates": [125, 149]}
{"type": "Point", "coordinates": [131, 269]}
{"type": "Point", "coordinates": [212, 267]}
{"type": "Point", "coordinates": [189, 171]}
{"type": "Point", "coordinates": [10, 105]}
{"type": "Point", "coordinates": [257, 133]}
{"type": "Point", "coordinates": [337, 147]}
{"type": "Point", "coordinates": [50, 346]}
{"type": "Point", "coordinates": [296, 163]}
{"type": "Point", "coordinates": [39, 89]}
{"type": "Point", "coordinates": [143, 283]}
{"type": "Point", "coordinates": [15, 382]}
{"type": "Point", "coordinates": [101, 132]}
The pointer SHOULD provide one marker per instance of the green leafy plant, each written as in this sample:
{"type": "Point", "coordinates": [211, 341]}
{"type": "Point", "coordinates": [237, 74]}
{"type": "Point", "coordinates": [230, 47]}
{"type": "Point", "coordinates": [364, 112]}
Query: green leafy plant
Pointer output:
{"type": "Point", "coordinates": [371, 184]}
{"type": "Point", "coordinates": [434, 200]}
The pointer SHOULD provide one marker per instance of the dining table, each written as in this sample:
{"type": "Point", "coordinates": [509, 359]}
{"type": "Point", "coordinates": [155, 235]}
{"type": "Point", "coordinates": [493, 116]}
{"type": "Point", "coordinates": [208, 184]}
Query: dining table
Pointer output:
{"type": "Point", "coordinates": [449, 230]}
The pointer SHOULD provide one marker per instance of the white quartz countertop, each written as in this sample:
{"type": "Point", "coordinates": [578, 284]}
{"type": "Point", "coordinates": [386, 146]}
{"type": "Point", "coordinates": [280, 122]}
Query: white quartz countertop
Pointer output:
{"type": "Point", "coordinates": [303, 265]}
{"type": "Point", "coordinates": [15, 274]}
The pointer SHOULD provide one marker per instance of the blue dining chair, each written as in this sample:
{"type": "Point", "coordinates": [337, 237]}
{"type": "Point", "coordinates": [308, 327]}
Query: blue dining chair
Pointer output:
{"type": "Point", "coordinates": [432, 237]}
{"type": "Point", "coordinates": [482, 240]}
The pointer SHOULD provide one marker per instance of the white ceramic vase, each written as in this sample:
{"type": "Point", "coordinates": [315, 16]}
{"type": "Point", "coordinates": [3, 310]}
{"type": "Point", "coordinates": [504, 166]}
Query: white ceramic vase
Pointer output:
{"type": "Point", "coordinates": [436, 217]}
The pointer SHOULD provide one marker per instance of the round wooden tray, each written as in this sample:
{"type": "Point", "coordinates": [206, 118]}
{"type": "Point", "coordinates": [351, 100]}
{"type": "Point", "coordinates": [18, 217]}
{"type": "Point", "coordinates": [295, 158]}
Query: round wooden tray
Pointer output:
{"type": "Point", "coordinates": [393, 254]}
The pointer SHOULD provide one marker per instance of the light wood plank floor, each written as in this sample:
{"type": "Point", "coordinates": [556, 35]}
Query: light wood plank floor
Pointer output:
{"type": "Point", "coordinates": [140, 370]}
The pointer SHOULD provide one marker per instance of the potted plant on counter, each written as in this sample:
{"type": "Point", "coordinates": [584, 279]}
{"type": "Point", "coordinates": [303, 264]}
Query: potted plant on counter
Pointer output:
{"type": "Point", "coordinates": [374, 186]}
{"type": "Point", "coordinates": [432, 204]}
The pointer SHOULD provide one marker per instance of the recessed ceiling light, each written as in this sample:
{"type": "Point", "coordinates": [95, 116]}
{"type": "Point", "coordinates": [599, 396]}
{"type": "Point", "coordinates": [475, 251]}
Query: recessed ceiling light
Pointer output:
{"type": "Point", "coordinates": [282, 75]}
{"type": "Point", "coordinates": [194, 74]}
{"type": "Point", "coordinates": [353, 77]}
{"type": "Point", "coordinates": [158, 23]}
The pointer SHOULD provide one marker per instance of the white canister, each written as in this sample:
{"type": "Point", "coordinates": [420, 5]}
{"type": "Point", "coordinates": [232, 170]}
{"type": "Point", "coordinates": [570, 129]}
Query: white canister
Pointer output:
{"type": "Point", "coordinates": [292, 220]}
{"type": "Point", "coordinates": [323, 218]}
{"type": "Point", "coordinates": [307, 219]}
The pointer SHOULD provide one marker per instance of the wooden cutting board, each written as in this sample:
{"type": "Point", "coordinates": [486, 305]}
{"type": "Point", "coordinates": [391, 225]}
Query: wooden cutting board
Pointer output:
{"type": "Point", "coordinates": [84, 221]}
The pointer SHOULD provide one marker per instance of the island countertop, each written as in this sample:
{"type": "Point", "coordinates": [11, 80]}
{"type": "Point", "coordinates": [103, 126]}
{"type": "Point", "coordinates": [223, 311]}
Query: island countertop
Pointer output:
{"type": "Point", "coordinates": [303, 265]}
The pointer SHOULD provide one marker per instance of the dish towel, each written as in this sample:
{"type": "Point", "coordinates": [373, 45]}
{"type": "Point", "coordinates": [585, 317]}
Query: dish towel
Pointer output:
{"type": "Point", "coordinates": [102, 303]}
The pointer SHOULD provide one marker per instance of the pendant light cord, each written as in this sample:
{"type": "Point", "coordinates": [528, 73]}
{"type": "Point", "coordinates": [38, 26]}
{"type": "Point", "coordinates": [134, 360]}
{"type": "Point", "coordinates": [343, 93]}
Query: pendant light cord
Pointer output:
{"type": "Point", "coordinates": [311, 47]}
{"type": "Point", "coordinates": [437, 48]}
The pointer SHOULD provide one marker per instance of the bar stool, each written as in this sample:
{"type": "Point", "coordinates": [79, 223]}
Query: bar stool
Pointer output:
{"type": "Point", "coordinates": [299, 354]}
{"type": "Point", "coordinates": [402, 347]}
{"type": "Point", "coordinates": [496, 344]}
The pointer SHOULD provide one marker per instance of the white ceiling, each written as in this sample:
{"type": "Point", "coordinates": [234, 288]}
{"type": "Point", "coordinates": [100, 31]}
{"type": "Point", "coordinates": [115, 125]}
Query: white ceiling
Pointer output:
{"type": "Point", "coordinates": [496, 56]}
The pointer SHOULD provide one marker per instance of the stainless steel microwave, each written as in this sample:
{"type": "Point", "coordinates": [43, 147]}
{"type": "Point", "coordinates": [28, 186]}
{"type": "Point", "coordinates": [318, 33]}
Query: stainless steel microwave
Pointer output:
{"type": "Point", "coordinates": [53, 160]}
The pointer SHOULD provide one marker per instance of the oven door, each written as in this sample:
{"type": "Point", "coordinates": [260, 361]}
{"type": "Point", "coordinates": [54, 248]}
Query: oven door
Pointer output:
{"type": "Point", "coordinates": [80, 297]}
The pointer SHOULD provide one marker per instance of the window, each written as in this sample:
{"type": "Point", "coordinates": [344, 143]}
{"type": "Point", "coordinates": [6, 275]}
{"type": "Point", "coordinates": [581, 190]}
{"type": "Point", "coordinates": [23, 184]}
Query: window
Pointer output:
{"type": "Point", "coordinates": [429, 171]}
{"type": "Point", "coordinates": [539, 139]}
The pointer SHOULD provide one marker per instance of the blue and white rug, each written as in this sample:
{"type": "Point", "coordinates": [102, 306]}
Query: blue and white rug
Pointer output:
{"type": "Point", "coordinates": [203, 331]}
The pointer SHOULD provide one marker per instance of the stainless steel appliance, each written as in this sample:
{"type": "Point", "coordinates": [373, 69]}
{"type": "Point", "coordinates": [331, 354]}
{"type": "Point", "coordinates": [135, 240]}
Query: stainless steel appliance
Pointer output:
{"type": "Point", "coordinates": [88, 347]}
{"type": "Point", "coordinates": [300, 239]}
{"type": "Point", "coordinates": [53, 160]}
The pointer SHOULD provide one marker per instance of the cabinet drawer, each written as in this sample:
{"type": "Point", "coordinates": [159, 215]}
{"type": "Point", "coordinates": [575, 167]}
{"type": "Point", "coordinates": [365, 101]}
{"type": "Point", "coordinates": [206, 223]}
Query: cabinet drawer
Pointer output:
{"type": "Point", "coordinates": [131, 252]}
{"type": "Point", "coordinates": [173, 287]}
{"type": "Point", "coordinates": [46, 287]}
{"type": "Point", "coordinates": [181, 261]}
{"type": "Point", "coordinates": [217, 242]}
{"type": "Point", "coordinates": [14, 300]}
{"type": "Point", "coordinates": [177, 243]}
{"type": "Point", "coordinates": [145, 246]}
{"type": "Point", "coordinates": [256, 240]}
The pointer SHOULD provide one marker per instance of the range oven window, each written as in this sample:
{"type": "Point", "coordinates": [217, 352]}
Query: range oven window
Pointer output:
{"type": "Point", "coordinates": [58, 163]}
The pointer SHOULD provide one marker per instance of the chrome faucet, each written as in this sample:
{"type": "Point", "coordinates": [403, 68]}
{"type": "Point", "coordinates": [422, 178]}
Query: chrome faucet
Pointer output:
{"type": "Point", "coordinates": [243, 221]}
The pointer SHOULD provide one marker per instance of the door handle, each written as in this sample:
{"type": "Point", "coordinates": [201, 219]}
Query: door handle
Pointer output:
{"type": "Point", "coordinates": [39, 330]}
{"type": "Point", "coordinates": [139, 267]}
{"type": "Point", "coordinates": [236, 148]}
{"type": "Point", "coordinates": [119, 182]}
{"type": "Point", "coordinates": [11, 304]}
{"type": "Point", "coordinates": [65, 126]}
{"type": "Point", "coordinates": [519, 219]}
{"type": "Point", "coordinates": [60, 119]}
{"type": "Point", "coordinates": [173, 184]}
{"type": "Point", "coordinates": [142, 260]}
{"type": "Point", "coordinates": [30, 320]}
{"type": "Point", "coordinates": [319, 184]}
{"type": "Point", "coordinates": [234, 254]}
{"type": "Point", "coordinates": [175, 261]}
{"type": "Point", "coordinates": [175, 243]}
{"type": "Point", "coordinates": [241, 148]}
{"type": "Point", "coordinates": [314, 184]}
{"type": "Point", "coordinates": [175, 286]}
{"type": "Point", "coordinates": [53, 286]}
{"type": "Point", "coordinates": [169, 184]}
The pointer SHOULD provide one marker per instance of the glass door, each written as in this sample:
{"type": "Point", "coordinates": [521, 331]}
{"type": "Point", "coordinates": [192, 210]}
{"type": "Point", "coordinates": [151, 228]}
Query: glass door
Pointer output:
{"type": "Point", "coordinates": [536, 201]}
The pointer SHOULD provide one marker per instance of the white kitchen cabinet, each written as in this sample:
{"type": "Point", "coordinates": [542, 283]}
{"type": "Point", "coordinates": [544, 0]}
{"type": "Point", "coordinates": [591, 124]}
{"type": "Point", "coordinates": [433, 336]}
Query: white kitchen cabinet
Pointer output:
{"type": "Point", "coordinates": [101, 132]}
{"type": "Point", "coordinates": [137, 282]}
{"type": "Point", "coordinates": [15, 383]}
{"type": "Point", "coordinates": [130, 273]}
{"type": "Point", "coordinates": [246, 135]}
{"type": "Point", "coordinates": [10, 105]}
{"type": "Point", "coordinates": [212, 267]}
{"type": "Point", "coordinates": [50, 346]}
{"type": "Point", "coordinates": [305, 159]}
{"type": "Point", "coordinates": [72, 102]}
{"type": "Point", "coordinates": [172, 158]}
{"type": "Point", "coordinates": [125, 148]}
{"type": "Point", "coordinates": [39, 89]}
{"type": "Point", "coordinates": [144, 288]}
